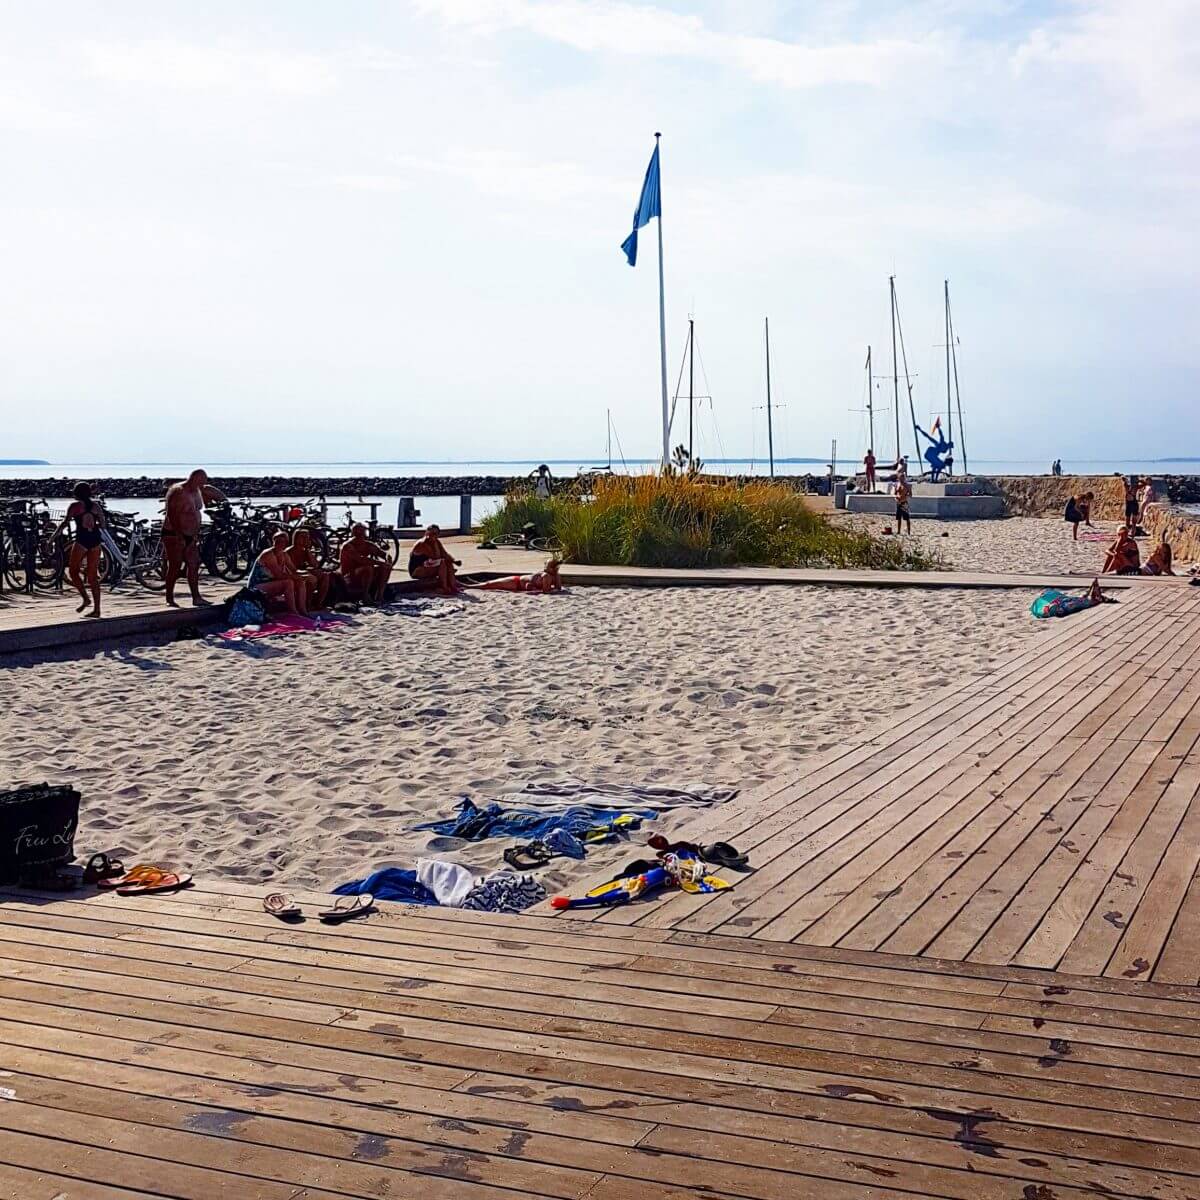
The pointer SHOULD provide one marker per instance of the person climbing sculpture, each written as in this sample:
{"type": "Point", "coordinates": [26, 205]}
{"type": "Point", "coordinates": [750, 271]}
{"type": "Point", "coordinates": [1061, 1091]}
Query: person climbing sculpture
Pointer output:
{"type": "Point", "coordinates": [937, 454]}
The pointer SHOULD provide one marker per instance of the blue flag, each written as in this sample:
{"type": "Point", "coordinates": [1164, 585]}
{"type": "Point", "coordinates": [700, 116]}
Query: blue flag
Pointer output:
{"type": "Point", "coordinates": [650, 205]}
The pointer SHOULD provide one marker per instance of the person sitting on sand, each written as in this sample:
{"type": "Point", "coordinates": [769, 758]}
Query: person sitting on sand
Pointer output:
{"type": "Point", "coordinates": [307, 566]}
{"type": "Point", "coordinates": [1159, 562]}
{"type": "Point", "coordinates": [903, 494]}
{"type": "Point", "coordinates": [274, 576]}
{"type": "Point", "coordinates": [365, 567]}
{"type": "Point", "coordinates": [181, 531]}
{"type": "Point", "coordinates": [1123, 556]}
{"type": "Point", "coordinates": [545, 581]}
{"type": "Point", "coordinates": [431, 561]}
{"type": "Point", "coordinates": [85, 549]}
{"type": "Point", "coordinates": [1079, 509]}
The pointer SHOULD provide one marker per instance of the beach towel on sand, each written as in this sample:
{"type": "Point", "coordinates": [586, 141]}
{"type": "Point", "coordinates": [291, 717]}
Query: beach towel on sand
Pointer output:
{"type": "Point", "coordinates": [284, 624]}
{"type": "Point", "coordinates": [390, 883]}
{"type": "Point", "coordinates": [473, 823]}
{"type": "Point", "coordinates": [552, 794]}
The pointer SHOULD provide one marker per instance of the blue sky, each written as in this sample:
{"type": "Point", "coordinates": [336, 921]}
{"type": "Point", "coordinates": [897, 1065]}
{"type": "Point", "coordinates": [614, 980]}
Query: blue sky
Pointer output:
{"type": "Point", "coordinates": [305, 230]}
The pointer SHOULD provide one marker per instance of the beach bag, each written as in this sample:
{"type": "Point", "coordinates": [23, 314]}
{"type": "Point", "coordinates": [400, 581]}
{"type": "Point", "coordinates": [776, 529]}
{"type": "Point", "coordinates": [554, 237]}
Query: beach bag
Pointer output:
{"type": "Point", "coordinates": [247, 607]}
{"type": "Point", "coordinates": [37, 829]}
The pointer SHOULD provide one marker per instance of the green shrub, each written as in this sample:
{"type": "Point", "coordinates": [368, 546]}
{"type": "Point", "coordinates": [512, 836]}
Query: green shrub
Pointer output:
{"type": "Point", "coordinates": [676, 520]}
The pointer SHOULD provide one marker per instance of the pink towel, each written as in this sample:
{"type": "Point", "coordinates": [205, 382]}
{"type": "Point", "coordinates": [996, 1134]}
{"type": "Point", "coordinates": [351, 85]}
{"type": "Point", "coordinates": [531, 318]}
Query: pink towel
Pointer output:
{"type": "Point", "coordinates": [287, 623]}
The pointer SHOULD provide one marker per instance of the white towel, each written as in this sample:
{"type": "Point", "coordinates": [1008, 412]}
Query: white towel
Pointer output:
{"type": "Point", "coordinates": [450, 882]}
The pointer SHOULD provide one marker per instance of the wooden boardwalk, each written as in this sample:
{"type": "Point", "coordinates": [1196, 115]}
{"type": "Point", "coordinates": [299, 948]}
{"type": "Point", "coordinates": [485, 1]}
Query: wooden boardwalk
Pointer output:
{"type": "Point", "coordinates": [193, 1047]}
{"type": "Point", "coordinates": [1046, 819]}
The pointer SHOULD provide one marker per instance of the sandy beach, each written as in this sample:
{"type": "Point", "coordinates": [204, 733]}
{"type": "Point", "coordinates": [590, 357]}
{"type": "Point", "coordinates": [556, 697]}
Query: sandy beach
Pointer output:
{"type": "Point", "coordinates": [1021, 544]}
{"type": "Point", "coordinates": [308, 760]}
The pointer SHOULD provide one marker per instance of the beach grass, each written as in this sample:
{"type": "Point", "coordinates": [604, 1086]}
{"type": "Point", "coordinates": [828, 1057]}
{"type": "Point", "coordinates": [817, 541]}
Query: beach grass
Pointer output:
{"type": "Point", "coordinates": [677, 520]}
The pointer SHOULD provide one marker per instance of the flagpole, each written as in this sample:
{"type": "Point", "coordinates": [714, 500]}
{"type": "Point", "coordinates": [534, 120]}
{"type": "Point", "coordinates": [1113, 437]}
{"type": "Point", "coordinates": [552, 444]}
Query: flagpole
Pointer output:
{"type": "Point", "coordinates": [662, 320]}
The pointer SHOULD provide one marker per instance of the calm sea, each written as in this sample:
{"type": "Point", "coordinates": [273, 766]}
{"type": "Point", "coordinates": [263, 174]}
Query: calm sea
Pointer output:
{"type": "Point", "coordinates": [444, 509]}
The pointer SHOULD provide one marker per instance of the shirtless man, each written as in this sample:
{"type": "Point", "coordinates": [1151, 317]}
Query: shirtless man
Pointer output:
{"type": "Point", "coordinates": [1130, 484]}
{"type": "Point", "coordinates": [903, 494]}
{"type": "Point", "coordinates": [181, 531]}
{"type": "Point", "coordinates": [1123, 557]}
{"type": "Point", "coordinates": [274, 576]}
{"type": "Point", "coordinates": [869, 472]}
{"type": "Point", "coordinates": [308, 567]}
{"type": "Point", "coordinates": [364, 566]}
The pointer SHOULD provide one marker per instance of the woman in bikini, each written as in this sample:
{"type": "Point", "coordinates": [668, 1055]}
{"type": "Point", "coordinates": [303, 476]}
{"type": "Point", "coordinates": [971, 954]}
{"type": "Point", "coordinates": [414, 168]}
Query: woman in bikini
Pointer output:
{"type": "Point", "coordinates": [545, 581]}
{"type": "Point", "coordinates": [85, 549]}
{"type": "Point", "coordinates": [431, 561]}
{"type": "Point", "coordinates": [274, 576]}
{"type": "Point", "coordinates": [1160, 560]}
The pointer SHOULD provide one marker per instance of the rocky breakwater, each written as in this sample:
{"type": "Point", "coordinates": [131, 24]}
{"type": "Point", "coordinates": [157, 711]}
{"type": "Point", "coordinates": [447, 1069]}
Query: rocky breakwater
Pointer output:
{"type": "Point", "coordinates": [1180, 527]}
{"type": "Point", "coordinates": [262, 486]}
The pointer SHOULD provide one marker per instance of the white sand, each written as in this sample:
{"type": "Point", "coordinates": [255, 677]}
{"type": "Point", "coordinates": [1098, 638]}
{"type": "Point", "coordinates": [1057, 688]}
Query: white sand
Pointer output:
{"type": "Point", "coordinates": [309, 762]}
{"type": "Point", "coordinates": [1040, 545]}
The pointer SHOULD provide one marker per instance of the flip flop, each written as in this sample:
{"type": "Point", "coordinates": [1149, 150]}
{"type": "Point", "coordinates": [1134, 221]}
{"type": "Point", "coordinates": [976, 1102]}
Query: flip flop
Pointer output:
{"type": "Point", "coordinates": [281, 905]}
{"type": "Point", "coordinates": [100, 867]}
{"type": "Point", "coordinates": [532, 854]}
{"type": "Point", "coordinates": [722, 854]}
{"type": "Point", "coordinates": [162, 881]}
{"type": "Point", "coordinates": [348, 906]}
{"type": "Point", "coordinates": [135, 875]}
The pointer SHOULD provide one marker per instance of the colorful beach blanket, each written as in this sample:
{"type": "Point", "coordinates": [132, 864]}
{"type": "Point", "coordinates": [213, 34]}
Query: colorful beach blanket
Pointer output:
{"type": "Point", "coordinates": [1053, 603]}
{"type": "Point", "coordinates": [285, 624]}
{"type": "Point", "coordinates": [588, 824]}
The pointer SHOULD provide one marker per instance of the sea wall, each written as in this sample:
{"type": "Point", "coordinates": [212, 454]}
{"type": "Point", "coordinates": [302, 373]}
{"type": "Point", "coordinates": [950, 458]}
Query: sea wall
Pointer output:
{"type": "Point", "coordinates": [1179, 527]}
{"type": "Point", "coordinates": [1046, 495]}
{"type": "Point", "coordinates": [147, 488]}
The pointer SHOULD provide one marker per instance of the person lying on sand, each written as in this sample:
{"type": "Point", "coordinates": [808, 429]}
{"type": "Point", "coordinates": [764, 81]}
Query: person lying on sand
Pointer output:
{"type": "Point", "coordinates": [546, 580]}
{"type": "Point", "coordinates": [307, 566]}
{"type": "Point", "coordinates": [431, 561]}
{"type": "Point", "coordinates": [85, 549]}
{"type": "Point", "coordinates": [181, 531]}
{"type": "Point", "coordinates": [365, 567]}
{"type": "Point", "coordinates": [1123, 556]}
{"type": "Point", "coordinates": [274, 576]}
{"type": "Point", "coordinates": [1159, 562]}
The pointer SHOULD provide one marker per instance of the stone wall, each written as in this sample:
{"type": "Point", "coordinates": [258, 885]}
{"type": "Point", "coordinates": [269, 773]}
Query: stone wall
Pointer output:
{"type": "Point", "coordinates": [262, 486]}
{"type": "Point", "coordinates": [1046, 496]}
{"type": "Point", "coordinates": [1181, 529]}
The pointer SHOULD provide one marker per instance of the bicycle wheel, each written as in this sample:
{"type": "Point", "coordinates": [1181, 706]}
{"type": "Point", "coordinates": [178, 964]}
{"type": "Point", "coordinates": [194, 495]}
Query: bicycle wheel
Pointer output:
{"type": "Point", "coordinates": [226, 557]}
{"type": "Point", "coordinates": [150, 565]}
{"type": "Point", "coordinates": [50, 563]}
{"type": "Point", "coordinates": [546, 545]}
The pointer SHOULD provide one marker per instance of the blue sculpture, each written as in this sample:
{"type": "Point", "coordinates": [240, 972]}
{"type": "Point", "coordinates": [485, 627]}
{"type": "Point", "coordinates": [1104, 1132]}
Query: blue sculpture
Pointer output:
{"type": "Point", "coordinates": [937, 455]}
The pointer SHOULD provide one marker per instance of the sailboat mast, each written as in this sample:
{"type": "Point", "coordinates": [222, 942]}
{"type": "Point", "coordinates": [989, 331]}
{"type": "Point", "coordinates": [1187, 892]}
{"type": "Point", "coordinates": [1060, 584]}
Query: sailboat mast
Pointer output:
{"type": "Point", "coordinates": [870, 407]}
{"type": "Point", "coordinates": [608, 438]}
{"type": "Point", "coordinates": [691, 383]}
{"type": "Point", "coordinates": [949, 416]}
{"type": "Point", "coordinates": [895, 365]}
{"type": "Point", "coordinates": [957, 394]}
{"type": "Point", "coordinates": [770, 432]}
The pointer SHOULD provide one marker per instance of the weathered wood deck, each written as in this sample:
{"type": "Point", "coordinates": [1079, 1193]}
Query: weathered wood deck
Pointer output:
{"type": "Point", "coordinates": [193, 1047]}
{"type": "Point", "coordinates": [1046, 819]}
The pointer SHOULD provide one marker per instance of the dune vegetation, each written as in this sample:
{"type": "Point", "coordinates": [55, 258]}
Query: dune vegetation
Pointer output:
{"type": "Point", "coordinates": [676, 519]}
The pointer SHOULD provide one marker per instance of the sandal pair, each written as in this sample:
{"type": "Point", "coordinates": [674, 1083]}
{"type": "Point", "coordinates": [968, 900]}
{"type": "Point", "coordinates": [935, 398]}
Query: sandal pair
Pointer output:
{"type": "Point", "coordinates": [284, 906]}
{"type": "Point", "coordinates": [528, 856]}
{"type": "Point", "coordinates": [144, 879]}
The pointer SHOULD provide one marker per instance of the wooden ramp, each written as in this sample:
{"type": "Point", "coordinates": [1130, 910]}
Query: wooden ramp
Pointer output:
{"type": "Point", "coordinates": [1045, 819]}
{"type": "Point", "coordinates": [193, 1047]}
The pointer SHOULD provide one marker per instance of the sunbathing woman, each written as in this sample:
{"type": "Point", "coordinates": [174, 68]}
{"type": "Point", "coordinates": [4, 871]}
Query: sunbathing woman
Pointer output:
{"type": "Point", "coordinates": [85, 549]}
{"type": "Point", "coordinates": [1159, 562]}
{"type": "Point", "coordinates": [274, 576]}
{"type": "Point", "coordinates": [307, 566]}
{"type": "Point", "coordinates": [431, 561]}
{"type": "Point", "coordinates": [1123, 557]}
{"type": "Point", "coordinates": [545, 581]}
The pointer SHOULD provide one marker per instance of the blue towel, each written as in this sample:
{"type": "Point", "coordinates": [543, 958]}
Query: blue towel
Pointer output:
{"type": "Point", "coordinates": [473, 823]}
{"type": "Point", "coordinates": [391, 883]}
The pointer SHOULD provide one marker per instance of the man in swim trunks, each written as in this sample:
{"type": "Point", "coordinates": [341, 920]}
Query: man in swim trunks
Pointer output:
{"type": "Point", "coordinates": [869, 470]}
{"type": "Point", "coordinates": [364, 567]}
{"type": "Point", "coordinates": [308, 568]}
{"type": "Point", "coordinates": [903, 492]}
{"type": "Point", "coordinates": [1130, 483]}
{"type": "Point", "coordinates": [181, 531]}
{"type": "Point", "coordinates": [85, 549]}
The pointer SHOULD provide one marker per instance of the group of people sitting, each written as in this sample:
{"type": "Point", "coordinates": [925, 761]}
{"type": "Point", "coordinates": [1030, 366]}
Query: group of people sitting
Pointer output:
{"type": "Point", "coordinates": [289, 573]}
{"type": "Point", "coordinates": [1124, 557]}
